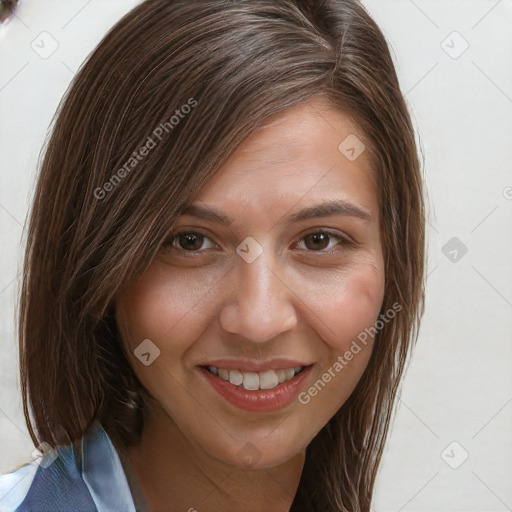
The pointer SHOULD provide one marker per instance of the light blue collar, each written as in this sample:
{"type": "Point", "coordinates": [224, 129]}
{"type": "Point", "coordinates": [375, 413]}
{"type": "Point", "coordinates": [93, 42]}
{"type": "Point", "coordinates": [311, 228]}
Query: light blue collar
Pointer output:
{"type": "Point", "coordinates": [57, 481]}
{"type": "Point", "coordinates": [103, 472]}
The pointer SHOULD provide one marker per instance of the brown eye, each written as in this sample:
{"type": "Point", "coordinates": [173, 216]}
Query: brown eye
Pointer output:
{"type": "Point", "coordinates": [317, 241]}
{"type": "Point", "coordinates": [190, 241]}
{"type": "Point", "coordinates": [320, 241]}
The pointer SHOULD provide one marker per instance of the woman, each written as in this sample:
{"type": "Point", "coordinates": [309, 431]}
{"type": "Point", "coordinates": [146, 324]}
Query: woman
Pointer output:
{"type": "Point", "coordinates": [224, 270]}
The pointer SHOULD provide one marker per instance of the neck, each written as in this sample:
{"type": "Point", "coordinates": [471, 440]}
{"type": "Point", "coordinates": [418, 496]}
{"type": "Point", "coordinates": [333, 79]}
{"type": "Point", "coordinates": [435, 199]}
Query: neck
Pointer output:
{"type": "Point", "coordinates": [174, 475]}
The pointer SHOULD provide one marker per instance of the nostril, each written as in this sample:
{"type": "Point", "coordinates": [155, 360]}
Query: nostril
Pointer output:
{"type": "Point", "coordinates": [7, 8]}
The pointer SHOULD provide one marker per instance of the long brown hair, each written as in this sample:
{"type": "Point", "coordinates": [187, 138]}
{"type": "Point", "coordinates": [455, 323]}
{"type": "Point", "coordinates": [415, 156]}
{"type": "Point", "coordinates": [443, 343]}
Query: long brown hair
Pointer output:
{"type": "Point", "coordinates": [102, 209]}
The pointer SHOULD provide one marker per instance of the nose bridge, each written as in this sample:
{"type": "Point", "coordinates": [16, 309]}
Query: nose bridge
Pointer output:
{"type": "Point", "coordinates": [258, 284]}
{"type": "Point", "coordinates": [260, 307]}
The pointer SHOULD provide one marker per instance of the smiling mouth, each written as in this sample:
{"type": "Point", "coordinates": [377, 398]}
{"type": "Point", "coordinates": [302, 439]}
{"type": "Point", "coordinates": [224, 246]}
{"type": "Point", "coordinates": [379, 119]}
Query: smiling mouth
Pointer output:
{"type": "Point", "coordinates": [256, 381]}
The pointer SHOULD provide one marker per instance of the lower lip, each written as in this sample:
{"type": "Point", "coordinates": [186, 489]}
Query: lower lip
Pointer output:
{"type": "Point", "coordinates": [265, 400]}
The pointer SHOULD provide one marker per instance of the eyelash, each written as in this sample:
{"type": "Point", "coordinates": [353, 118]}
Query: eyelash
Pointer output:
{"type": "Point", "coordinates": [169, 244]}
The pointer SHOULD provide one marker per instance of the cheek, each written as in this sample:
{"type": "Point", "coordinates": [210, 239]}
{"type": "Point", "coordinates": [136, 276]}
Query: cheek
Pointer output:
{"type": "Point", "coordinates": [344, 309]}
{"type": "Point", "coordinates": [164, 308]}
{"type": "Point", "coordinates": [346, 305]}
{"type": "Point", "coordinates": [160, 306]}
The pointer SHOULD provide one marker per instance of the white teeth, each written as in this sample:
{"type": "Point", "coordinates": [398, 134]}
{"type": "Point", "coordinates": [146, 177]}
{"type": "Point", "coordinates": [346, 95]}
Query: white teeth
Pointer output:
{"type": "Point", "coordinates": [289, 373]}
{"type": "Point", "coordinates": [223, 373]}
{"type": "Point", "coordinates": [236, 377]}
{"type": "Point", "coordinates": [268, 379]}
{"type": "Point", "coordinates": [252, 380]}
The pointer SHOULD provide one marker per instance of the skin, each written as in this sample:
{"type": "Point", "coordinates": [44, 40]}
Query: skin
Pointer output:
{"type": "Point", "coordinates": [304, 298]}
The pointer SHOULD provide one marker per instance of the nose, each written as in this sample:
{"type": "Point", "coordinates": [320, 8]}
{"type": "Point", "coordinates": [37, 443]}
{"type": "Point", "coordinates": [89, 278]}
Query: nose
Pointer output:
{"type": "Point", "coordinates": [261, 305]}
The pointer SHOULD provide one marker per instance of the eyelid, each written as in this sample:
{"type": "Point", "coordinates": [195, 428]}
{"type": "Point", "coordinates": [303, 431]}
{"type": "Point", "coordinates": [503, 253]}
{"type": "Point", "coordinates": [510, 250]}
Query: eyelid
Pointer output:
{"type": "Point", "coordinates": [332, 232]}
{"type": "Point", "coordinates": [343, 238]}
{"type": "Point", "coordinates": [169, 241]}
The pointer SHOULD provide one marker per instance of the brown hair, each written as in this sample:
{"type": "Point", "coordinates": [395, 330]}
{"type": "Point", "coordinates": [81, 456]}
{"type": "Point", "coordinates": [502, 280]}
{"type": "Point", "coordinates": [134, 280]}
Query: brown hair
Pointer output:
{"type": "Point", "coordinates": [94, 227]}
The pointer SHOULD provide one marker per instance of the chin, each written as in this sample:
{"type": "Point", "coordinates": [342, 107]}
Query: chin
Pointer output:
{"type": "Point", "coordinates": [259, 452]}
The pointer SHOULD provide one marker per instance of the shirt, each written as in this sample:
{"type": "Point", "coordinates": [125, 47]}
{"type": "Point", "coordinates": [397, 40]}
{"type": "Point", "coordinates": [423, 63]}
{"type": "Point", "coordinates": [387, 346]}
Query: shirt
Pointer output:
{"type": "Point", "coordinates": [66, 480]}
{"type": "Point", "coordinates": [59, 482]}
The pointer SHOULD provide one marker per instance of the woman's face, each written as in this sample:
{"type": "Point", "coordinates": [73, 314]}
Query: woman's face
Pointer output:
{"type": "Point", "coordinates": [277, 266]}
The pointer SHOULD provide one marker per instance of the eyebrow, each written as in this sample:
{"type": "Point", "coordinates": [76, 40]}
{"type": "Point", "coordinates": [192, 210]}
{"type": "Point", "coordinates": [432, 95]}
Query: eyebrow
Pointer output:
{"type": "Point", "coordinates": [323, 209]}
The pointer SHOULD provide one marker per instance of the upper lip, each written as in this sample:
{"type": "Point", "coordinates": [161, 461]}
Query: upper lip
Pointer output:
{"type": "Point", "coordinates": [252, 365]}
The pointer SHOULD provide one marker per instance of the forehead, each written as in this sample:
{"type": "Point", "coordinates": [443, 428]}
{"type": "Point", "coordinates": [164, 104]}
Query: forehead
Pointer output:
{"type": "Point", "coordinates": [296, 159]}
